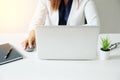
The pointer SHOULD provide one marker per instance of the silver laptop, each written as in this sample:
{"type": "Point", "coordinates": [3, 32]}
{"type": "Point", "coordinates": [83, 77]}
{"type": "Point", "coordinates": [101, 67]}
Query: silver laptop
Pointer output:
{"type": "Point", "coordinates": [67, 42]}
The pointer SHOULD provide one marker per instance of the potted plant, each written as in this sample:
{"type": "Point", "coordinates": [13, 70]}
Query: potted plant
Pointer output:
{"type": "Point", "coordinates": [105, 49]}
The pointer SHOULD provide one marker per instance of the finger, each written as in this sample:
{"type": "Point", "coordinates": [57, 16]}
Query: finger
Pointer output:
{"type": "Point", "coordinates": [34, 44]}
{"type": "Point", "coordinates": [30, 43]}
{"type": "Point", "coordinates": [25, 43]}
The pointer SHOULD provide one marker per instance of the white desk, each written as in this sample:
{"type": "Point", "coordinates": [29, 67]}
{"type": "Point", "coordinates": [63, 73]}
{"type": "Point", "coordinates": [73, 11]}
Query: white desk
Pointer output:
{"type": "Point", "coordinates": [32, 68]}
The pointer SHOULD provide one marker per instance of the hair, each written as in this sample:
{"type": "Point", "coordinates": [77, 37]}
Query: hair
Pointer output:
{"type": "Point", "coordinates": [55, 4]}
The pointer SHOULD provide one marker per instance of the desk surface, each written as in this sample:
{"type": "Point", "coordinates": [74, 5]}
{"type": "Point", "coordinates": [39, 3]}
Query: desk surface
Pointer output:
{"type": "Point", "coordinates": [32, 68]}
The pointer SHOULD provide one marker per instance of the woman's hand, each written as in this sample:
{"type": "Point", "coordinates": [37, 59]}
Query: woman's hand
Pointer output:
{"type": "Point", "coordinates": [30, 41]}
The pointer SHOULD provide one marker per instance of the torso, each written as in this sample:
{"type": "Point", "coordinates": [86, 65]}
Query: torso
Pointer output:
{"type": "Point", "coordinates": [76, 16]}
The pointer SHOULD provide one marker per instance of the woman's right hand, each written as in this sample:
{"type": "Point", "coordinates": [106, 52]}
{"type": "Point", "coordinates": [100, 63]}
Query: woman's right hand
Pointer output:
{"type": "Point", "coordinates": [30, 41]}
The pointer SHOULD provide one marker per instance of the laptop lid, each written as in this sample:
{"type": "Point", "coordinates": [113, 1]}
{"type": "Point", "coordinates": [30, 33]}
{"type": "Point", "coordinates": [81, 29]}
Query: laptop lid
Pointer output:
{"type": "Point", "coordinates": [67, 42]}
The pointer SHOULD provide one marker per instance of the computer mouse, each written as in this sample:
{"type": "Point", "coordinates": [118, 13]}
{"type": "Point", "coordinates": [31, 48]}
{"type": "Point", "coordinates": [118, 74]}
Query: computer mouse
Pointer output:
{"type": "Point", "coordinates": [28, 49]}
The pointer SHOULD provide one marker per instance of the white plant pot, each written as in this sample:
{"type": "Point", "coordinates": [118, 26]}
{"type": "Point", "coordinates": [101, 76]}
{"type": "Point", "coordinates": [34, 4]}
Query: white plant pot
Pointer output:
{"type": "Point", "coordinates": [104, 55]}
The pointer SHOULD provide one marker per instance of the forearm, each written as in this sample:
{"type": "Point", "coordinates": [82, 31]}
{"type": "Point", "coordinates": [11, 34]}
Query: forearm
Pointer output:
{"type": "Point", "coordinates": [39, 15]}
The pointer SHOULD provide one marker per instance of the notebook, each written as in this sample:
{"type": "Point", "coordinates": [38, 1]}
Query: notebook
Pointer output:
{"type": "Point", "coordinates": [13, 56]}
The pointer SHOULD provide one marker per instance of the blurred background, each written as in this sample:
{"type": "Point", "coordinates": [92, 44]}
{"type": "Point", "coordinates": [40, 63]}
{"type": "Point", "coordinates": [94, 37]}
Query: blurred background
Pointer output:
{"type": "Point", "coordinates": [109, 13]}
{"type": "Point", "coordinates": [15, 15]}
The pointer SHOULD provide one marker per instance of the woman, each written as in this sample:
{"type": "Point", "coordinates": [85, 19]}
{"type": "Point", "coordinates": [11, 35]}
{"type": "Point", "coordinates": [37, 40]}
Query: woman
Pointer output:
{"type": "Point", "coordinates": [61, 12]}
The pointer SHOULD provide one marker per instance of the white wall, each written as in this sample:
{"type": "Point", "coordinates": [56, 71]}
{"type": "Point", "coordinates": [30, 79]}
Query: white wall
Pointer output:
{"type": "Point", "coordinates": [109, 12]}
{"type": "Point", "coordinates": [15, 15]}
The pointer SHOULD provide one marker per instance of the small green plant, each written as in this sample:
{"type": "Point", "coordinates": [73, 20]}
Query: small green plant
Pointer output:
{"type": "Point", "coordinates": [105, 44]}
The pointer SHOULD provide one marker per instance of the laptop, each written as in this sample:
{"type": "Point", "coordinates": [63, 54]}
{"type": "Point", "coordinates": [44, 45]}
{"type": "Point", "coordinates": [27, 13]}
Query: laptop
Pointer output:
{"type": "Point", "coordinates": [67, 42]}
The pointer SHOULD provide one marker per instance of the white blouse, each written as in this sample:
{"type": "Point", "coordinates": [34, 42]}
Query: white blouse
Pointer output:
{"type": "Point", "coordinates": [80, 10]}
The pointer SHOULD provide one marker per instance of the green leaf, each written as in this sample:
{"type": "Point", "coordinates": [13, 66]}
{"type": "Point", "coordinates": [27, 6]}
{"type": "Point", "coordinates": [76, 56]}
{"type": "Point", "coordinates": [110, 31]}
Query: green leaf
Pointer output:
{"type": "Point", "coordinates": [105, 44]}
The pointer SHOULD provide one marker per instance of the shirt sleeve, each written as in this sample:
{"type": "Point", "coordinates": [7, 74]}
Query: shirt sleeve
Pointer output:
{"type": "Point", "coordinates": [91, 14]}
{"type": "Point", "coordinates": [39, 15]}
